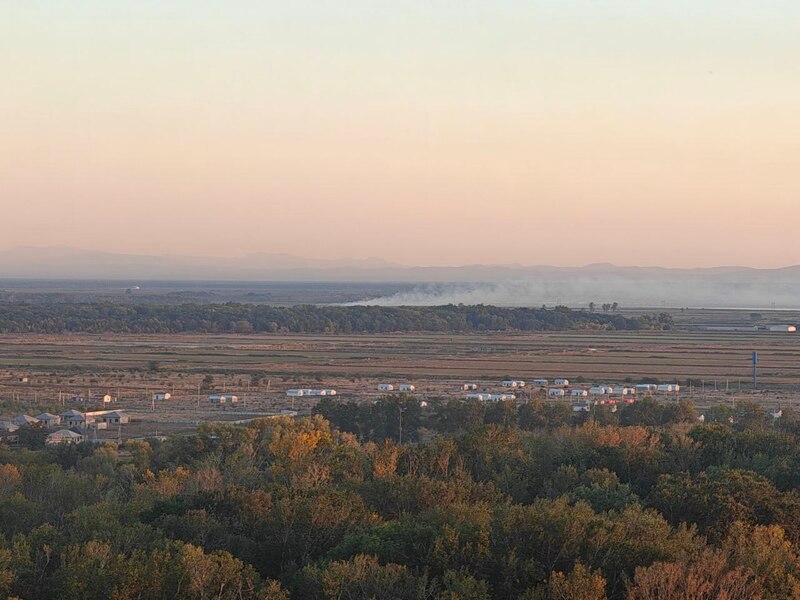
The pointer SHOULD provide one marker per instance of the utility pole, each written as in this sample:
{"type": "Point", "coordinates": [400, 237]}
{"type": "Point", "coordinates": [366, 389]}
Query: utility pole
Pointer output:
{"type": "Point", "coordinates": [401, 426]}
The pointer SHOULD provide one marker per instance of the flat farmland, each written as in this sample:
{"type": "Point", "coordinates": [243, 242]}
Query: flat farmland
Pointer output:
{"type": "Point", "coordinates": [433, 360]}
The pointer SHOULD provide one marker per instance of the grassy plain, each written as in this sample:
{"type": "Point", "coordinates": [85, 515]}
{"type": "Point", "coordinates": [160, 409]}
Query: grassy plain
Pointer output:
{"type": "Point", "coordinates": [259, 368]}
{"type": "Point", "coordinates": [433, 360]}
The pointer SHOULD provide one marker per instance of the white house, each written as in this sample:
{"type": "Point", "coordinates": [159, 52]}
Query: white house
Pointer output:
{"type": "Point", "coordinates": [162, 396]}
{"type": "Point", "coordinates": [115, 417]}
{"type": "Point", "coordinates": [295, 392]}
{"type": "Point", "coordinates": [513, 383]}
{"type": "Point", "coordinates": [64, 436]}
{"type": "Point", "coordinates": [557, 392]}
{"type": "Point", "coordinates": [74, 419]}
{"type": "Point", "coordinates": [666, 388]}
{"type": "Point", "coordinates": [385, 387]}
{"type": "Point", "coordinates": [646, 388]}
{"type": "Point", "coordinates": [561, 381]}
{"type": "Point", "coordinates": [579, 393]}
{"type": "Point", "coordinates": [581, 407]}
{"type": "Point", "coordinates": [406, 387]}
{"type": "Point", "coordinates": [469, 387]}
{"type": "Point", "coordinates": [540, 382]}
{"type": "Point", "coordinates": [49, 420]}
{"type": "Point", "coordinates": [599, 390]}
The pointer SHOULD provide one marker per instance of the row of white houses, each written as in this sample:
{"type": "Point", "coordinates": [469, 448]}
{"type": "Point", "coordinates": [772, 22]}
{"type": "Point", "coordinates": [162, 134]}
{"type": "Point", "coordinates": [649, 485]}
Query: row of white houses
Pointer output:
{"type": "Point", "coordinates": [71, 418]}
{"type": "Point", "coordinates": [491, 397]}
{"type": "Point", "coordinates": [303, 392]}
{"type": "Point", "coordinates": [390, 387]}
{"type": "Point", "coordinates": [520, 383]}
{"type": "Point", "coordinates": [595, 391]}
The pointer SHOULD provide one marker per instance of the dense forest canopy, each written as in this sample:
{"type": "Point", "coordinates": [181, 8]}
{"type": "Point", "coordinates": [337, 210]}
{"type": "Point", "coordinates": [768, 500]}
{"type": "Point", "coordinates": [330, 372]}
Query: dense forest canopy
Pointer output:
{"type": "Point", "coordinates": [107, 317]}
{"type": "Point", "coordinates": [482, 502]}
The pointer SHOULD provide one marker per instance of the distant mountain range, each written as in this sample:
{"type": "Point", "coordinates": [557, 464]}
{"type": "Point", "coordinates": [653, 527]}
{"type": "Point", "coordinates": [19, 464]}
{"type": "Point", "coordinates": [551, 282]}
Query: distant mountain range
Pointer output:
{"type": "Point", "coordinates": [469, 284]}
{"type": "Point", "coordinates": [53, 262]}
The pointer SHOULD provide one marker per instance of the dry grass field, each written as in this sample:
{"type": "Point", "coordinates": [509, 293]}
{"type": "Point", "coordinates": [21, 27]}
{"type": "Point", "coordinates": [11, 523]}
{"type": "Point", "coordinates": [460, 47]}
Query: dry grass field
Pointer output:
{"type": "Point", "coordinates": [128, 363]}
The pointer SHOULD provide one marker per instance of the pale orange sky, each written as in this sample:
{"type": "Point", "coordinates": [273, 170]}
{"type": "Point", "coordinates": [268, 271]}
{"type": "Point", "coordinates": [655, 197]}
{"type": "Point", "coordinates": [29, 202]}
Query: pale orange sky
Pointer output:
{"type": "Point", "coordinates": [537, 132]}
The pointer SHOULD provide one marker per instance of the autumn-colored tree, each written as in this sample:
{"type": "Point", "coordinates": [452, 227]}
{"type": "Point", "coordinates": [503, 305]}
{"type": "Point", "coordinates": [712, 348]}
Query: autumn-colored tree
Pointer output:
{"type": "Point", "coordinates": [703, 577]}
{"type": "Point", "coordinates": [579, 584]}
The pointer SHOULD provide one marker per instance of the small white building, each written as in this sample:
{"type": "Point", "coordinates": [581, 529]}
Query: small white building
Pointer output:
{"type": "Point", "coordinates": [646, 388]}
{"type": "Point", "coordinates": [107, 399]}
{"type": "Point", "coordinates": [467, 387]}
{"type": "Point", "coordinates": [64, 436]}
{"type": "Point", "coordinates": [513, 383]}
{"type": "Point", "coordinates": [580, 393]}
{"type": "Point", "coordinates": [295, 392]}
{"type": "Point", "coordinates": [541, 382]}
{"type": "Point", "coordinates": [115, 417]}
{"type": "Point", "coordinates": [406, 387]}
{"type": "Point", "coordinates": [158, 396]}
{"type": "Point", "coordinates": [581, 407]}
{"type": "Point", "coordinates": [776, 414]}
{"type": "Point", "coordinates": [48, 419]}
{"type": "Point", "coordinates": [556, 392]}
{"type": "Point", "coordinates": [561, 381]}
{"type": "Point", "coordinates": [667, 388]}
{"type": "Point", "coordinates": [599, 390]}
{"type": "Point", "coordinates": [619, 391]}
{"type": "Point", "coordinates": [385, 387]}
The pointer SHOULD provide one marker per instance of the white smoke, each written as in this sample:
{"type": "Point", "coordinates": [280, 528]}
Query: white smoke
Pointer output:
{"type": "Point", "coordinates": [720, 289]}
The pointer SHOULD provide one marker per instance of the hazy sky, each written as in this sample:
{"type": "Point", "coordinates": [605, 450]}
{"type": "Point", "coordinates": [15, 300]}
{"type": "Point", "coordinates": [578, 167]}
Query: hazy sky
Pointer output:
{"type": "Point", "coordinates": [429, 132]}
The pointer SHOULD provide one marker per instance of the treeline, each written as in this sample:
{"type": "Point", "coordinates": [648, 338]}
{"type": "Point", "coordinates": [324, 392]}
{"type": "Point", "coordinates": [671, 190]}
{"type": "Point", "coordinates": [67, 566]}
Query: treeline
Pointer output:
{"type": "Point", "coordinates": [249, 318]}
{"type": "Point", "coordinates": [506, 503]}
